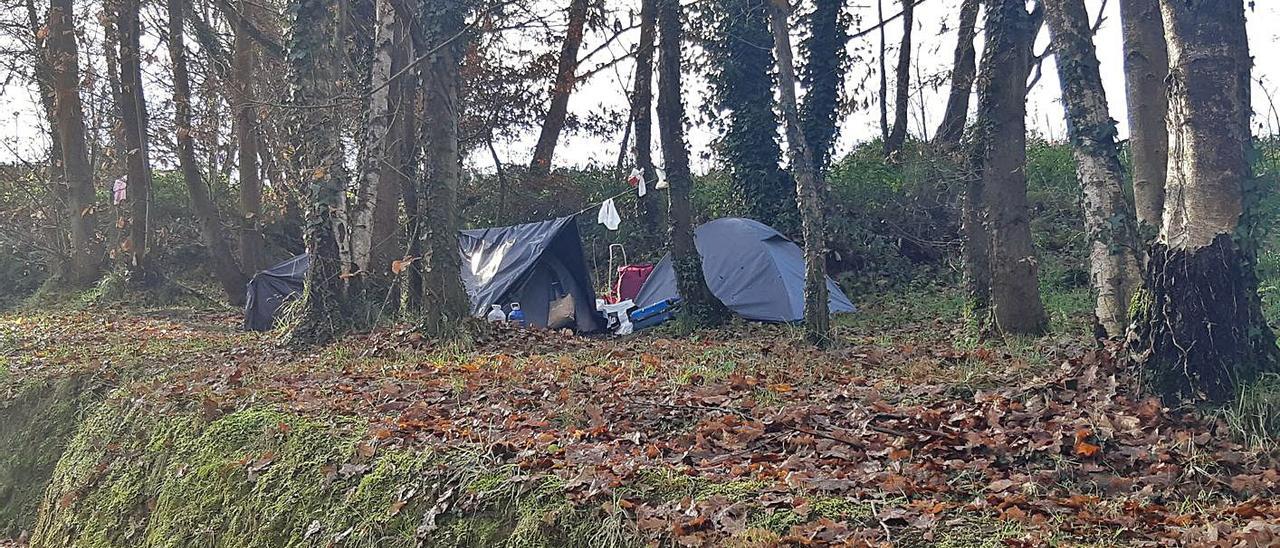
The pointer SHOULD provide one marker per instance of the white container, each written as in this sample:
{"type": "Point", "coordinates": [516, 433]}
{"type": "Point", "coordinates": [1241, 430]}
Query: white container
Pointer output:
{"type": "Point", "coordinates": [496, 314]}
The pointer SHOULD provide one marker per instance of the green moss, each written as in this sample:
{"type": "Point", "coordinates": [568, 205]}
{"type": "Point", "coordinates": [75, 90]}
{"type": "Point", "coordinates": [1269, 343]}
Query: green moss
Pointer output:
{"type": "Point", "coordinates": [36, 425]}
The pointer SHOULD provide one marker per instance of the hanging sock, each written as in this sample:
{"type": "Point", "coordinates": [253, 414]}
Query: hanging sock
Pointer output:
{"type": "Point", "coordinates": [608, 215]}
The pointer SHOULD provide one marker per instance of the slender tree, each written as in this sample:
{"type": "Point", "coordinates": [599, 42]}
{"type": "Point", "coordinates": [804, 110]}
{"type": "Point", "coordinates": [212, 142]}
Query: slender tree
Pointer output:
{"type": "Point", "coordinates": [999, 160]}
{"type": "Point", "coordinates": [220, 261]}
{"type": "Point", "coordinates": [811, 191]}
{"type": "Point", "coordinates": [1201, 333]}
{"type": "Point", "coordinates": [883, 90]}
{"type": "Point", "coordinates": [245, 125]}
{"type": "Point", "coordinates": [823, 77]}
{"type": "Point", "coordinates": [445, 300]}
{"type": "Point", "coordinates": [648, 206]}
{"type": "Point", "coordinates": [1146, 63]}
{"type": "Point", "coordinates": [377, 133]}
{"type": "Point", "coordinates": [743, 88]}
{"type": "Point", "coordinates": [902, 84]}
{"type": "Point", "coordinates": [318, 166]}
{"type": "Point", "coordinates": [963, 70]}
{"type": "Point", "coordinates": [1108, 215]}
{"type": "Point", "coordinates": [134, 124]}
{"type": "Point", "coordinates": [64, 67]}
{"type": "Point", "coordinates": [565, 80]}
{"type": "Point", "coordinates": [700, 305]}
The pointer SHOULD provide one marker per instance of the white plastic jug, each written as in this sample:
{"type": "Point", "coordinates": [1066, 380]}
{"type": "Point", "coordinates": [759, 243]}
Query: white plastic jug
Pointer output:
{"type": "Point", "coordinates": [496, 314]}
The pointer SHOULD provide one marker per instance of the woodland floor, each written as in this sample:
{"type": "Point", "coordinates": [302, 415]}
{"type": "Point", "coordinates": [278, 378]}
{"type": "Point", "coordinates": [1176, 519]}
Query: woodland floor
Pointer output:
{"type": "Point", "coordinates": [909, 432]}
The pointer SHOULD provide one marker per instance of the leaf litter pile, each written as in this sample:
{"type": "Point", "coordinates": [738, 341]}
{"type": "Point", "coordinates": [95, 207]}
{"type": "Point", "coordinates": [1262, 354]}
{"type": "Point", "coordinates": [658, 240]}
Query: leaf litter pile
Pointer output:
{"type": "Point", "coordinates": [743, 433]}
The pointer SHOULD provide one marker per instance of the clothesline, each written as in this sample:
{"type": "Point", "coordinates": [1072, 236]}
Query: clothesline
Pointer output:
{"type": "Point", "coordinates": [595, 205]}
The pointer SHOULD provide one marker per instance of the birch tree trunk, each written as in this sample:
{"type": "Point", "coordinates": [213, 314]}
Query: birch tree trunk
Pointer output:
{"type": "Point", "coordinates": [1201, 335]}
{"type": "Point", "coordinates": [133, 117]}
{"type": "Point", "coordinates": [1000, 141]}
{"type": "Point", "coordinates": [245, 123]}
{"type": "Point", "coordinates": [1108, 217]}
{"type": "Point", "coordinates": [400, 157]}
{"type": "Point", "coordinates": [64, 66]}
{"type": "Point", "coordinates": [318, 165]}
{"type": "Point", "coordinates": [647, 206]}
{"type": "Point", "coordinates": [1146, 63]}
{"type": "Point", "coordinates": [963, 70]}
{"type": "Point", "coordinates": [700, 307]}
{"type": "Point", "coordinates": [810, 192]}
{"type": "Point", "coordinates": [221, 262]}
{"type": "Point", "coordinates": [445, 300]}
{"type": "Point", "coordinates": [566, 79]}
{"type": "Point", "coordinates": [902, 85]}
{"type": "Point", "coordinates": [376, 137]}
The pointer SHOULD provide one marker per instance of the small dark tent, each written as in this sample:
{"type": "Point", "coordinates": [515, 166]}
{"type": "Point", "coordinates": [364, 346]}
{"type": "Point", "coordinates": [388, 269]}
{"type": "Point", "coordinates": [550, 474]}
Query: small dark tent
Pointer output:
{"type": "Point", "coordinates": [539, 265]}
{"type": "Point", "coordinates": [752, 268]}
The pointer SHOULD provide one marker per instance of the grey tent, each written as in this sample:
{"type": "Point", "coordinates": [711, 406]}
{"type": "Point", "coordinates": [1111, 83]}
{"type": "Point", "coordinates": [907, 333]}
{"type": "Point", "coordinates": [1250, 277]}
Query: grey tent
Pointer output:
{"type": "Point", "coordinates": [756, 271]}
{"type": "Point", "coordinates": [539, 265]}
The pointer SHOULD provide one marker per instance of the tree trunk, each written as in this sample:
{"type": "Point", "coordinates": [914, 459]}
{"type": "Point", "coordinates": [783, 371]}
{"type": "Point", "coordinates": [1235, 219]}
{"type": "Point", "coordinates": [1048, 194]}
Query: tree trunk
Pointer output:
{"type": "Point", "coordinates": [319, 167]}
{"type": "Point", "coordinates": [221, 262]}
{"type": "Point", "coordinates": [1016, 307]}
{"type": "Point", "coordinates": [245, 122]}
{"type": "Point", "coordinates": [397, 167]}
{"type": "Point", "coordinates": [64, 67]}
{"type": "Point", "coordinates": [963, 71]}
{"type": "Point", "coordinates": [1108, 216]}
{"type": "Point", "coordinates": [824, 70]}
{"type": "Point", "coordinates": [565, 80]}
{"type": "Point", "coordinates": [1201, 333]}
{"type": "Point", "coordinates": [811, 192]}
{"type": "Point", "coordinates": [883, 90]}
{"type": "Point", "coordinates": [743, 85]}
{"type": "Point", "coordinates": [648, 206]}
{"type": "Point", "coordinates": [377, 135]}
{"type": "Point", "coordinates": [44, 82]}
{"type": "Point", "coordinates": [1146, 63]}
{"type": "Point", "coordinates": [902, 86]}
{"type": "Point", "coordinates": [133, 118]}
{"type": "Point", "coordinates": [444, 297]}
{"type": "Point", "coordinates": [701, 307]}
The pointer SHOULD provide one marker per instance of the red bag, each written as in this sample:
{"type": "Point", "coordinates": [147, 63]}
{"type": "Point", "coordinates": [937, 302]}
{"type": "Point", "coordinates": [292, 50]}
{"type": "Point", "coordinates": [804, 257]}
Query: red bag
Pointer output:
{"type": "Point", "coordinates": [631, 278]}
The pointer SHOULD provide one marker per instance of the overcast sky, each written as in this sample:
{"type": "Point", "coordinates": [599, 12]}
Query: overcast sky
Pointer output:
{"type": "Point", "coordinates": [20, 121]}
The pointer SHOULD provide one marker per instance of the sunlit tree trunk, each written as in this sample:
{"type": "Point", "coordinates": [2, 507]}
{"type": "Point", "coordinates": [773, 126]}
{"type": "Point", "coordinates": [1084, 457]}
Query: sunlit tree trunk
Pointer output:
{"type": "Point", "coordinates": [1108, 216]}
{"type": "Point", "coordinates": [701, 307]}
{"type": "Point", "coordinates": [566, 79]}
{"type": "Point", "coordinates": [445, 302]}
{"type": "Point", "coordinates": [742, 81]}
{"type": "Point", "coordinates": [902, 85]}
{"type": "Point", "coordinates": [1201, 334]}
{"type": "Point", "coordinates": [64, 67]}
{"type": "Point", "coordinates": [398, 167]}
{"type": "Point", "coordinates": [823, 77]}
{"type": "Point", "coordinates": [648, 206]}
{"type": "Point", "coordinates": [811, 192]}
{"type": "Point", "coordinates": [1146, 63]}
{"type": "Point", "coordinates": [1000, 159]}
{"type": "Point", "coordinates": [963, 70]}
{"type": "Point", "coordinates": [318, 166]}
{"type": "Point", "coordinates": [220, 260]}
{"type": "Point", "coordinates": [378, 117]}
{"type": "Point", "coordinates": [133, 118]}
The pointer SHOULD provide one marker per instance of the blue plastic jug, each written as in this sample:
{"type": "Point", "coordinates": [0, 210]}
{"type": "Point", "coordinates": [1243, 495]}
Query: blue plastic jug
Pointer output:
{"type": "Point", "coordinates": [516, 316]}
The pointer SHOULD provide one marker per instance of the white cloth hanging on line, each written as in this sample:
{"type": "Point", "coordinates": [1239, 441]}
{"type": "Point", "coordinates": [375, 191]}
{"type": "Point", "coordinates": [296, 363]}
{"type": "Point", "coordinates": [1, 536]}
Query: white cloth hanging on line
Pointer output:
{"type": "Point", "coordinates": [662, 179]}
{"type": "Point", "coordinates": [608, 215]}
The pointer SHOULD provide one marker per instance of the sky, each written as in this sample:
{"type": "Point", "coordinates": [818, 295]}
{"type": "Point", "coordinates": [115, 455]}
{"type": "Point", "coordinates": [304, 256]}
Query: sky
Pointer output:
{"type": "Point", "coordinates": [20, 123]}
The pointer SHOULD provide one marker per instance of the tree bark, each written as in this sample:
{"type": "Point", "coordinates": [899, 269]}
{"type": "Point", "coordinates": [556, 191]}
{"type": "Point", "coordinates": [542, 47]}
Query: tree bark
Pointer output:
{"type": "Point", "coordinates": [744, 87]}
{"type": "Point", "coordinates": [221, 262]}
{"type": "Point", "coordinates": [133, 118]}
{"type": "Point", "coordinates": [1146, 63]}
{"type": "Point", "coordinates": [1201, 333]}
{"type": "Point", "coordinates": [883, 90]}
{"type": "Point", "coordinates": [43, 77]}
{"type": "Point", "coordinates": [823, 76]}
{"type": "Point", "coordinates": [1108, 216]}
{"type": "Point", "coordinates": [64, 67]}
{"type": "Point", "coordinates": [565, 80]}
{"type": "Point", "coordinates": [810, 191]}
{"type": "Point", "coordinates": [700, 307]}
{"type": "Point", "coordinates": [648, 206]}
{"type": "Point", "coordinates": [1000, 141]}
{"type": "Point", "coordinates": [400, 157]}
{"type": "Point", "coordinates": [319, 167]}
{"type": "Point", "coordinates": [444, 297]}
{"type": "Point", "coordinates": [902, 85]}
{"type": "Point", "coordinates": [245, 123]}
{"type": "Point", "coordinates": [378, 118]}
{"type": "Point", "coordinates": [963, 70]}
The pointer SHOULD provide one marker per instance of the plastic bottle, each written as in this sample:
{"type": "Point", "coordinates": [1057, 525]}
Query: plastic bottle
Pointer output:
{"type": "Point", "coordinates": [516, 316]}
{"type": "Point", "coordinates": [496, 314]}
